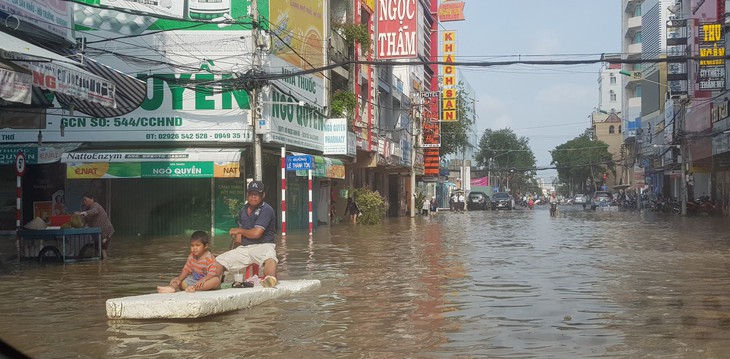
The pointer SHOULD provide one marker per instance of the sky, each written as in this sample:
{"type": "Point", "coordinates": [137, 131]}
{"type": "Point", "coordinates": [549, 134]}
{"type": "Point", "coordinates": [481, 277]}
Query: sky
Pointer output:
{"type": "Point", "coordinates": [548, 104]}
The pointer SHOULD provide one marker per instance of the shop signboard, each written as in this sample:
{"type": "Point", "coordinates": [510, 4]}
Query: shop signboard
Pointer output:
{"type": "Point", "coordinates": [185, 102]}
{"type": "Point", "coordinates": [299, 162]}
{"type": "Point", "coordinates": [52, 16]}
{"type": "Point", "coordinates": [204, 169]}
{"type": "Point", "coordinates": [294, 105]}
{"type": "Point", "coordinates": [397, 29]}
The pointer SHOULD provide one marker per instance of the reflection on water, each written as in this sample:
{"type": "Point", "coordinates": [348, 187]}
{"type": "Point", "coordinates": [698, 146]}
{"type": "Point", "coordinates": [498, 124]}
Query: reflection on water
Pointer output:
{"type": "Point", "coordinates": [512, 284]}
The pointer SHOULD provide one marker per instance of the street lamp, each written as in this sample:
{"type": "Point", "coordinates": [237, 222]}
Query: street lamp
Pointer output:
{"type": "Point", "coordinates": [636, 75]}
{"type": "Point", "coordinates": [491, 159]}
{"type": "Point", "coordinates": [491, 162]}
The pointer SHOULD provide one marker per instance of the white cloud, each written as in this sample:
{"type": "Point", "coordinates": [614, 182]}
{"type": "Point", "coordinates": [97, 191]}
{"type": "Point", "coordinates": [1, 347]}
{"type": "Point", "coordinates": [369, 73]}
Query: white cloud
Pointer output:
{"type": "Point", "coordinates": [492, 113]}
{"type": "Point", "coordinates": [546, 42]}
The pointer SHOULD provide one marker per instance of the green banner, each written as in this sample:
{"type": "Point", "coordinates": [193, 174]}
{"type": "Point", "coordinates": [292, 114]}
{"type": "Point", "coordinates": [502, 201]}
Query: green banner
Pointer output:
{"type": "Point", "coordinates": [7, 155]}
{"type": "Point", "coordinates": [134, 16]}
{"type": "Point", "coordinates": [177, 169]}
{"type": "Point", "coordinates": [230, 195]}
{"type": "Point", "coordinates": [325, 167]}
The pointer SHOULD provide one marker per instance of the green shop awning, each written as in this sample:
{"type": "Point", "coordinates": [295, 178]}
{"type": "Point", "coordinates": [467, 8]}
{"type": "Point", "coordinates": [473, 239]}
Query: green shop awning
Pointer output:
{"type": "Point", "coordinates": [173, 163]}
{"type": "Point", "coordinates": [326, 167]}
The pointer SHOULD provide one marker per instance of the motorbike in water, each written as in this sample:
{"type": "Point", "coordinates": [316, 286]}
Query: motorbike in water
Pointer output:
{"type": "Point", "coordinates": [703, 206]}
{"type": "Point", "coordinates": [553, 209]}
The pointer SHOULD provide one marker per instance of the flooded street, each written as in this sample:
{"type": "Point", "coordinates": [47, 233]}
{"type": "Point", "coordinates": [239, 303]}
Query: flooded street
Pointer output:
{"type": "Point", "coordinates": [508, 284]}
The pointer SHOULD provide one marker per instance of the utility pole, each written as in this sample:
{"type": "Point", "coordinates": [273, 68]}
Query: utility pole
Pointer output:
{"type": "Point", "coordinates": [463, 169]}
{"type": "Point", "coordinates": [414, 139]}
{"type": "Point", "coordinates": [684, 176]}
{"type": "Point", "coordinates": [254, 100]}
{"type": "Point", "coordinates": [684, 151]}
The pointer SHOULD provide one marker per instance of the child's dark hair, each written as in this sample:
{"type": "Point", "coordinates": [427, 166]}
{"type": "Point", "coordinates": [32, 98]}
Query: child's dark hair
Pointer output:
{"type": "Point", "coordinates": [201, 236]}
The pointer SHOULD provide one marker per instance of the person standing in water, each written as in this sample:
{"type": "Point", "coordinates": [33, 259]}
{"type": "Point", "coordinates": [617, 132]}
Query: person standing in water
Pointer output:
{"type": "Point", "coordinates": [94, 215]}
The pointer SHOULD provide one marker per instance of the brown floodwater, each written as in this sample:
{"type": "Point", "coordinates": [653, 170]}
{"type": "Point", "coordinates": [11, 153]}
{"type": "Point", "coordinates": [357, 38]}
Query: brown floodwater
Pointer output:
{"type": "Point", "coordinates": [509, 284]}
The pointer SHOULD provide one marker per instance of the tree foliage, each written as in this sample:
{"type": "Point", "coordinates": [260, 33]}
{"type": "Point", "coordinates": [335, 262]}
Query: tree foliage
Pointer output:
{"type": "Point", "coordinates": [582, 160]}
{"type": "Point", "coordinates": [371, 205]}
{"type": "Point", "coordinates": [455, 135]}
{"type": "Point", "coordinates": [508, 157]}
{"type": "Point", "coordinates": [354, 33]}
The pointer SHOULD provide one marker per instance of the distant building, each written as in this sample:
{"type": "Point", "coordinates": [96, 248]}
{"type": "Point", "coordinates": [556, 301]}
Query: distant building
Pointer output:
{"type": "Point", "coordinates": [606, 121]}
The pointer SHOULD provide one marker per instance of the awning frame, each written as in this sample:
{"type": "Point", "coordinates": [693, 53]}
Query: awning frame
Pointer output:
{"type": "Point", "coordinates": [68, 76]}
{"type": "Point", "coordinates": [148, 155]}
{"type": "Point", "coordinates": [165, 163]}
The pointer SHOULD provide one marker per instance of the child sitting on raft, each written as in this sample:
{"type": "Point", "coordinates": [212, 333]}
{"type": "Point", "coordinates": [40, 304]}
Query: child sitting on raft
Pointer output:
{"type": "Point", "coordinates": [199, 273]}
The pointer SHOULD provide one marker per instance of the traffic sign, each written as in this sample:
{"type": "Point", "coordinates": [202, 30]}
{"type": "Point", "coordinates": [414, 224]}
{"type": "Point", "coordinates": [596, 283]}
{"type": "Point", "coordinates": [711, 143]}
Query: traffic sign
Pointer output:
{"type": "Point", "coordinates": [20, 163]}
{"type": "Point", "coordinates": [301, 162]}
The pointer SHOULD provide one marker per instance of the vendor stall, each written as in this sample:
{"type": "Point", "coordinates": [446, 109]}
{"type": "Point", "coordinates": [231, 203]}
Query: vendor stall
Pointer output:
{"type": "Point", "coordinates": [67, 245]}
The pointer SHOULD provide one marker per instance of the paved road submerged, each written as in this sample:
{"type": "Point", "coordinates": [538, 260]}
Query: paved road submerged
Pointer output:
{"type": "Point", "coordinates": [486, 284]}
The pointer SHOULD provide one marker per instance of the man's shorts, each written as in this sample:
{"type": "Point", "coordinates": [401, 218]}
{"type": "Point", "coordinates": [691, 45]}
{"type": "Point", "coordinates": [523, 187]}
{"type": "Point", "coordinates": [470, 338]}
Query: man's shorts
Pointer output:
{"type": "Point", "coordinates": [242, 256]}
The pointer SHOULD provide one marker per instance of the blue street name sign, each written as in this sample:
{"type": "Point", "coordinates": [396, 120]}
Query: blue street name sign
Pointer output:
{"type": "Point", "coordinates": [297, 163]}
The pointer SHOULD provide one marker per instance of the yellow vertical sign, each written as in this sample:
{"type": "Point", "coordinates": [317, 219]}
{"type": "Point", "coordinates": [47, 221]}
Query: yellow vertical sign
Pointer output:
{"type": "Point", "coordinates": [449, 92]}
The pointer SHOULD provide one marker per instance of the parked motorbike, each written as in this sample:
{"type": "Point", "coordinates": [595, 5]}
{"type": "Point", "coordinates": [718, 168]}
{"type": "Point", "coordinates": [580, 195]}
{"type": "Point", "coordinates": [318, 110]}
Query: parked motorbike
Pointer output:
{"type": "Point", "coordinates": [702, 205]}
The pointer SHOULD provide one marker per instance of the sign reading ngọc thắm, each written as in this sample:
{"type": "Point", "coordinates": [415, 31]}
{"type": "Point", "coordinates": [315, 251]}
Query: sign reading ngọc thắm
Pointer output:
{"type": "Point", "coordinates": [397, 29]}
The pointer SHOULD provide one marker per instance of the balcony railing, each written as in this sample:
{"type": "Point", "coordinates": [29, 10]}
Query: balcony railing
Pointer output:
{"type": "Point", "coordinates": [338, 49]}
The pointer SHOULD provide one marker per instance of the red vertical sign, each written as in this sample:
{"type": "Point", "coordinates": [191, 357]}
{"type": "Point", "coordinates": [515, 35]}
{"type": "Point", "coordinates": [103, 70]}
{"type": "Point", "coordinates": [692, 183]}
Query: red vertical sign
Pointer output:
{"type": "Point", "coordinates": [431, 135]}
{"type": "Point", "coordinates": [397, 29]}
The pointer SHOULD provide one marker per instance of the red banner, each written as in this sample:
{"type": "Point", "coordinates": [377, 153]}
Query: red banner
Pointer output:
{"type": "Point", "coordinates": [484, 181]}
{"type": "Point", "coordinates": [431, 133]}
{"type": "Point", "coordinates": [431, 137]}
{"type": "Point", "coordinates": [451, 11]}
{"type": "Point", "coordinates": [431, 162]}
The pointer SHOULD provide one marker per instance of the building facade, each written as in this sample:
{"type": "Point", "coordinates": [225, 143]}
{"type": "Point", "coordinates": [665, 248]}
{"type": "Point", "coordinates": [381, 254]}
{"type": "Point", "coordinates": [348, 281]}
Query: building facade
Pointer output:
{"type": "Point", "coordinates": [194, 87]}
{"type": "Point", "coordinates": [678, 138]}
{"type": "Point", "coordinates": [606, 123]}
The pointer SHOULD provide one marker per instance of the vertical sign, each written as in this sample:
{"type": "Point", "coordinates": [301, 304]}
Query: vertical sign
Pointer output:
{"type": "Point", "coordinates": [712, 44]}
{"type": "Point", "coordinates": [431, 134]}
{"type": "Point", "coordinates": [335, 136]}
{"type": "Point", "coordinates": [448, 75]}
{"type": "Point", "coordinates": [397, 29]}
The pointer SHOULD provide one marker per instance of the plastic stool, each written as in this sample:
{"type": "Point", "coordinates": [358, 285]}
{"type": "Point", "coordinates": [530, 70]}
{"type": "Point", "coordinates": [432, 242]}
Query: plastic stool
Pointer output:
{"type": "Point", "coordinates": [252, 269]}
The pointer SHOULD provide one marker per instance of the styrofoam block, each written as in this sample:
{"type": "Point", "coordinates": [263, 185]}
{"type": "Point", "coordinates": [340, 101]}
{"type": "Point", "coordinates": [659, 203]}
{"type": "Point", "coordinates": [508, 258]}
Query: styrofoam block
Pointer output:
{"type": "Point", "coordinates": [200, 304]}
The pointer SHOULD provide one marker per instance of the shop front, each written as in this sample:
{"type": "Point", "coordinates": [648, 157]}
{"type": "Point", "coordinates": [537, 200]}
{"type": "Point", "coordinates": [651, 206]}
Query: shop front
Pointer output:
{"type": "Point", "coordinates": [160, 192]}
{"type": "Point", "coordinates": [327, 181]}
{"type": "Point", "coordinates": [42, 185]}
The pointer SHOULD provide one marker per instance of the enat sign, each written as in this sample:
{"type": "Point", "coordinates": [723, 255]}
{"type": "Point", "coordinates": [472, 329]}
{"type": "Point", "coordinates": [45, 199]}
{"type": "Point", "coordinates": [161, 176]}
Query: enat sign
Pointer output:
{"type": "Point", "coordinates": [297, 163]}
